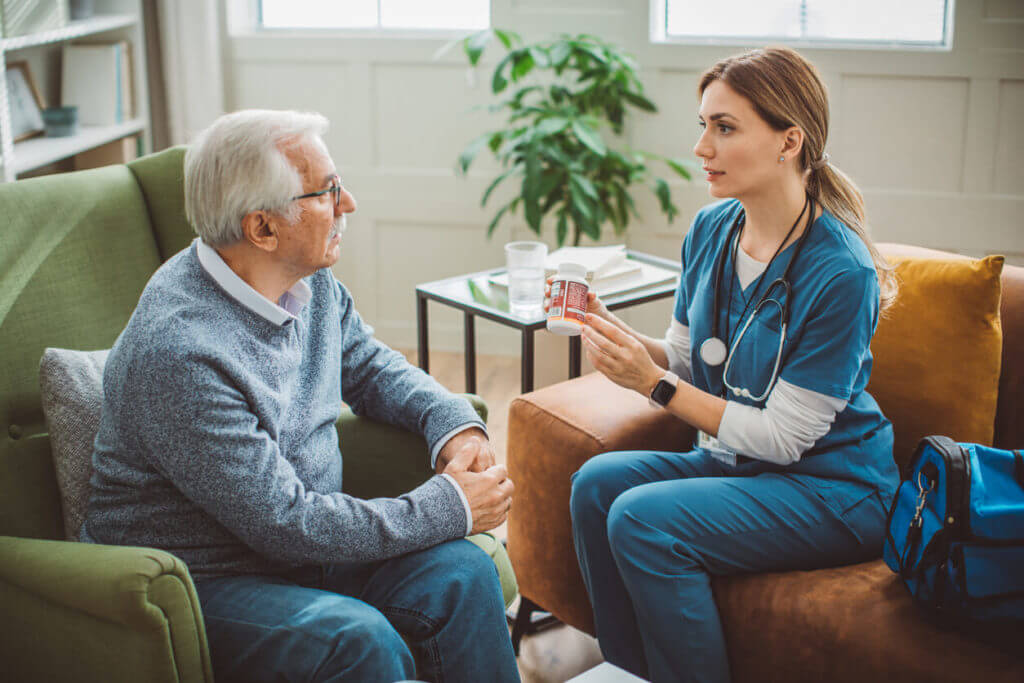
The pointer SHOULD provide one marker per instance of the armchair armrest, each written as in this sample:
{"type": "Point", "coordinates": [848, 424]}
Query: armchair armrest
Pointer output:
{"type": "Point", "coordinates": [383, 461]}
{"type": "Point", "coordinates": [84, 612]}
{"type": "Point", "coordinates": [552, 432]}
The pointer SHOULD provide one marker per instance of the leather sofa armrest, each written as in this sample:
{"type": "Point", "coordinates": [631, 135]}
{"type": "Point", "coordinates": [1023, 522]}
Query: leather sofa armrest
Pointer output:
{"type": "Point", "coordinates": [552, 432]}
{"type": "Point", "coordinates": [384, 461]}
{"type": "Point", "coordinates": [79, 611]}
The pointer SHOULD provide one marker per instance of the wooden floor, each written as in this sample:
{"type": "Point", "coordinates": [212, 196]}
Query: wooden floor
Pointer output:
{"type": "Point", "coordinates": [561, 652]}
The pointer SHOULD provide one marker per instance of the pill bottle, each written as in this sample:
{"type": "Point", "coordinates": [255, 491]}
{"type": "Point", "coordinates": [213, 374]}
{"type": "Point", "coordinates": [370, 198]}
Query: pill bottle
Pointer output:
{"type": "Point", "coordinates": [568, 300]}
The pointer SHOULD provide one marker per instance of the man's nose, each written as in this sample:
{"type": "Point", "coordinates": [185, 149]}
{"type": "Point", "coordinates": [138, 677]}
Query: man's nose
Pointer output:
{"type": "Point", "coordinates": [347, 203]}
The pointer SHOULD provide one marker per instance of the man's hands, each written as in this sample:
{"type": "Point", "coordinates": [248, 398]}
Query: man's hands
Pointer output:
{"type": "Point", "coordinates": [619, 356]}
{"type": "Point", "coordinates": [484, 455]}
{"type": "Point", "coordinates": [489, 491]}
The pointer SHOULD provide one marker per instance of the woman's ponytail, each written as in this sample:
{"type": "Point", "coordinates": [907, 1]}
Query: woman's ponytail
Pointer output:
{"type": "Point", "coordinates": [837, 192]}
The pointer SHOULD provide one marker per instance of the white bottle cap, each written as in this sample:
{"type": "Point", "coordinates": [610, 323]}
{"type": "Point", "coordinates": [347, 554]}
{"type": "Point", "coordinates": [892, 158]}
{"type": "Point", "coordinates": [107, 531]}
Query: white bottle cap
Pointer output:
{"type": "Point", "coordinates": [569, 268]}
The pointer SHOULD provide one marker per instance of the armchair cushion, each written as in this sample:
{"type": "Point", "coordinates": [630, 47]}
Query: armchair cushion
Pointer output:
{"type": "Point", "coordinates": [71, 389]}
{"type": "Point", "coordinates": [937, 351]}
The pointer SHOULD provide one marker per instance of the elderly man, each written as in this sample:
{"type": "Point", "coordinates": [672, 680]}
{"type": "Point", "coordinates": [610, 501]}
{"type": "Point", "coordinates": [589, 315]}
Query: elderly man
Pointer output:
{"type": "Point", "coordinates": [217, 439]}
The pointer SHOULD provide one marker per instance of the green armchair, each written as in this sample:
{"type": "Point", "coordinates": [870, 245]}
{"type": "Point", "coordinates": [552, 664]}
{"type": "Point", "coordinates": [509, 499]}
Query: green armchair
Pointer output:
{"type": "Point", "coordinates": [76, 252]}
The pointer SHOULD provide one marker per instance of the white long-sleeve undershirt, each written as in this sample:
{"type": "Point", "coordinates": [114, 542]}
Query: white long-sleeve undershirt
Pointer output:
{"type": "Point", "coordinates": [793, 418]}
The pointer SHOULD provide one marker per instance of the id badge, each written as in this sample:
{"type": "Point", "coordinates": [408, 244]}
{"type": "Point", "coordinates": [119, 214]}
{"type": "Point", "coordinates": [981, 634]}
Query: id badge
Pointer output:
{"type": "Point", "coordinates": [716, 448]}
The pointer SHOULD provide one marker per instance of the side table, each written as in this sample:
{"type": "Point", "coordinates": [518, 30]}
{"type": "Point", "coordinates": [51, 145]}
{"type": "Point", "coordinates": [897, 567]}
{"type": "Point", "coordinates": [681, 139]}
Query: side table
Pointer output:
{"type": "Point", "coordinates": [475, 295]}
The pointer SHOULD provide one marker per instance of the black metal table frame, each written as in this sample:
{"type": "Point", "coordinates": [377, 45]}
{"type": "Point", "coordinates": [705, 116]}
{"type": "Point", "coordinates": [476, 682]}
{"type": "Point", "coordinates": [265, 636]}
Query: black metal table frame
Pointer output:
{"type": "Point", "coordinates": [528, 328]}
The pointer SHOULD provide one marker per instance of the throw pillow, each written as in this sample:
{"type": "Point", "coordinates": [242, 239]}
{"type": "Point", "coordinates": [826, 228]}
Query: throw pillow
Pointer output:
{"type": "Point", "coordinates": [937, 350]}
{"type": "Point", "coordinates": [71, 387]}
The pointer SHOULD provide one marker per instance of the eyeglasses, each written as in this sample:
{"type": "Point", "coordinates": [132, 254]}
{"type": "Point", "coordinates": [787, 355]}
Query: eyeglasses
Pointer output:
{"type": "Point", "coordinates": [334, 188]}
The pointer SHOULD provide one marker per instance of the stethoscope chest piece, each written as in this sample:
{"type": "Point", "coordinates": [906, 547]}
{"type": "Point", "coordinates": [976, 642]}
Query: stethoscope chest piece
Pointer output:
{"type": "Point", "coordinates": [713, 351]}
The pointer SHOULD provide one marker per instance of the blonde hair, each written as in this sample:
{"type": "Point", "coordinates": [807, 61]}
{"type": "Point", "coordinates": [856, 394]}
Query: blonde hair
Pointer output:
{"type": "Point", "coordinates": [786, 90]}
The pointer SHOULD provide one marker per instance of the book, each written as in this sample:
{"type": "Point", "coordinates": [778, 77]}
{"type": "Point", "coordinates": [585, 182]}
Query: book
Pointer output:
{"type": "Point", "coordinates": [597, 260]}
{"type": "Point", "coordinates": [96, 78]}
{"type": "Point", "coordinates": [636, 276]}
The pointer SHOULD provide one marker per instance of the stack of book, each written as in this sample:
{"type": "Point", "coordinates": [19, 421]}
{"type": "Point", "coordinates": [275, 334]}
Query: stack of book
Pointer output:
{"type": "Point", "coordinates": [609, 271]}
{"type": "Point", "coordinates": [97, 78]}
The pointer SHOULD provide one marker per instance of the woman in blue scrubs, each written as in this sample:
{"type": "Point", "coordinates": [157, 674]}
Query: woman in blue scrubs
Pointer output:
{"type": "Point", "coordinates": [793, 466]}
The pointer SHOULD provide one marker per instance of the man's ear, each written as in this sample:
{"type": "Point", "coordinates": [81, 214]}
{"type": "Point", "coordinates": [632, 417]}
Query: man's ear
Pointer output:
{"type": "Point", "coordinates": [792, 143]}
{"type": "Point", "coordinates": [260, 230]}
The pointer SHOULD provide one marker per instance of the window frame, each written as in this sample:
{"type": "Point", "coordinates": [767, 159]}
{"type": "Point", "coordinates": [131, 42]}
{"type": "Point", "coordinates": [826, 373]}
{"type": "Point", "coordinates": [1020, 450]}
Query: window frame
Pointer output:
{"type": "Point", "coordinates": [658, 35]}
{"type": "Point", "coordinates": [255, 14]}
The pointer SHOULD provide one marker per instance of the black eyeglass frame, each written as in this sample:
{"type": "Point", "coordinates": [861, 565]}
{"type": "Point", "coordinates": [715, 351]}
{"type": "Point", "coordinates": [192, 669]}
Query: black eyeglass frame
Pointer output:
{"type": "Point", "coordinates": [335, 188]}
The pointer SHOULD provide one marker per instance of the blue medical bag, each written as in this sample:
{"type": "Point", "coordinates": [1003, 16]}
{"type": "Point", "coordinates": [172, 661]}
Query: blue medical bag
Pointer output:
{"type": "Point", "coordinates": [956, 530]}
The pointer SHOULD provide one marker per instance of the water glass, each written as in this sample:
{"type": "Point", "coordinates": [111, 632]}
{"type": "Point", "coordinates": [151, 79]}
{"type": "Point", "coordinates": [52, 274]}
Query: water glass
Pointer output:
{"type": "Point", "coordinates": [525, 262]}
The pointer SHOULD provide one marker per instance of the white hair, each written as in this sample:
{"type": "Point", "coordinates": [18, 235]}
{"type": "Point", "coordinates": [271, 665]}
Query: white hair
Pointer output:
{"type": "Point", "coordinates": [236, 166]}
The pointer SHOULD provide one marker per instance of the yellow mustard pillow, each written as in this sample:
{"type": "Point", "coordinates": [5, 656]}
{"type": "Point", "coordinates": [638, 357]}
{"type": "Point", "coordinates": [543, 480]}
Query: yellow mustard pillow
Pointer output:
{"type": "Point", "coordinates": [937, 350]}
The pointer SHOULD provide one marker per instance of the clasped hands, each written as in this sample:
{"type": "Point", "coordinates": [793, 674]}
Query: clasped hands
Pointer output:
{"type": "Point", "coordinates": [469, 459]}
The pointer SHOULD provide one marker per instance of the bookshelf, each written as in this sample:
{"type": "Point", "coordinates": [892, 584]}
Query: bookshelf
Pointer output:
{"type": "Point", "coordinates": [113, 19]}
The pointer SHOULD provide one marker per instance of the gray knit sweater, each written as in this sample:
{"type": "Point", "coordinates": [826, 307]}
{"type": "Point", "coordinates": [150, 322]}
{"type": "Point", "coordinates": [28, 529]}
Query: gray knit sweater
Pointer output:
{"type": "Point", "coordinates": [217, 440]}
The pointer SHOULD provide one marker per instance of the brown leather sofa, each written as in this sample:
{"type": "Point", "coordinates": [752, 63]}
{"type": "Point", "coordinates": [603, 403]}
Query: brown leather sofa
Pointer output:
{"type": "Point", "coordinates": [853, 623]}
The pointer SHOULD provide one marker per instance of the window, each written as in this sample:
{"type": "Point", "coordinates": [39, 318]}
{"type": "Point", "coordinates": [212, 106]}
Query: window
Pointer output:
{"type": "Point", "coordinates": [376, 14]}
{"type": "Point", "coordinates": [896, 23]}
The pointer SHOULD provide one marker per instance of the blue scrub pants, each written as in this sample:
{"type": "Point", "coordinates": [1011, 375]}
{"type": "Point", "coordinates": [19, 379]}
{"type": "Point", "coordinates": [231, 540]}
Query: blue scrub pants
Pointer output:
{"type": "Point", "coordinates": [437, 614]}
{"type": "Point", "coordinates": [651, 528]}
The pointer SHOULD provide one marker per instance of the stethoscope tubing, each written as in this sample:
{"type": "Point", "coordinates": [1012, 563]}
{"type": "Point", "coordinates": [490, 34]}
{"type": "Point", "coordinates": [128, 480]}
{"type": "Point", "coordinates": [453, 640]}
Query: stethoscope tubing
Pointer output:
{"type": "Point", "coordinates": [784, 308]}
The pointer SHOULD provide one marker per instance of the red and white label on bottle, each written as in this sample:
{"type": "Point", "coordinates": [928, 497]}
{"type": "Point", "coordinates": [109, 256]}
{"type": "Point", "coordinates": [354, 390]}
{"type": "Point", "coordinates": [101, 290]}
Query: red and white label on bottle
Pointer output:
{"type": "Point", "coordinates": [568, 301]}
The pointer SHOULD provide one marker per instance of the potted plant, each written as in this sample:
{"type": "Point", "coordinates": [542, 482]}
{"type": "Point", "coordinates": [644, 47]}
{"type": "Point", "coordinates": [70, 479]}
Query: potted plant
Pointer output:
{"type": "Point", "coordinates": [561, 98]}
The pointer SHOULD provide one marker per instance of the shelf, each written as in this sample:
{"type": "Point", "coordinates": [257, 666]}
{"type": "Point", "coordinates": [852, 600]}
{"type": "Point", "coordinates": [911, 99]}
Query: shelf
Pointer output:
{"type": "Point", "coordinates": [74, 29]}
{"type": "Point", "coordinates": [40, 151]}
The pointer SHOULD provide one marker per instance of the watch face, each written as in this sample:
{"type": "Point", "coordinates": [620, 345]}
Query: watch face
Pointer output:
{"type": "Point", "coordinates": [663, 392]}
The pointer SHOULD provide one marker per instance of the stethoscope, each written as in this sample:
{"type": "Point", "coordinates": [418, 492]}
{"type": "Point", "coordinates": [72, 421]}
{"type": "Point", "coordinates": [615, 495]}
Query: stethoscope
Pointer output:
{"type": "Point", "coordinates": [713, 349]}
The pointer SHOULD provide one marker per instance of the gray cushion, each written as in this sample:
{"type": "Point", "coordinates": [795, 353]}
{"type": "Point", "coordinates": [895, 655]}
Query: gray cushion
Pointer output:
{"type": "Point", "coordinates": [71, 389]}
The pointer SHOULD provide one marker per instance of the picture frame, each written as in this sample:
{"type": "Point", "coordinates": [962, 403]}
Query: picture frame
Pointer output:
{"type": "Point", "coordinates": [26, 104]}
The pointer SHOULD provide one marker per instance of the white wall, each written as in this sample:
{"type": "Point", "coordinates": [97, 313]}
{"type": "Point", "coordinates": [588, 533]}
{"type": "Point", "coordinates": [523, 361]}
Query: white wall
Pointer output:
{"type": "Point", "coordinates": [933, 139]}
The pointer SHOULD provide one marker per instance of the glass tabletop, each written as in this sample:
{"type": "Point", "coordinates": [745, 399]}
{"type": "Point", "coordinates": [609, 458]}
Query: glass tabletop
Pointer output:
{"type": "Point", "coordinates": [482, 293]}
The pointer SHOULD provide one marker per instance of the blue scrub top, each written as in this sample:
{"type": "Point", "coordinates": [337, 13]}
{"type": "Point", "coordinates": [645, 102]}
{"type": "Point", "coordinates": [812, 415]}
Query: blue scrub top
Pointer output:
{"type": "Point", "coordinates": [832, 318]}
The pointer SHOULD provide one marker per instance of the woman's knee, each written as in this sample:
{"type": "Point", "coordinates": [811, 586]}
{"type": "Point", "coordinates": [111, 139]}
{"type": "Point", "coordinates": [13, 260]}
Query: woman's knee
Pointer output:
{"type": "Point", "coordinates": [636, 530]}
{"type": "Point", "coordinates": [597, 483]}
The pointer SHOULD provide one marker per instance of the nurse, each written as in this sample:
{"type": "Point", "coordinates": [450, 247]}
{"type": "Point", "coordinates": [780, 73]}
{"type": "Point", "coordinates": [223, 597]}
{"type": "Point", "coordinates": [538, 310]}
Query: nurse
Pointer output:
{"type": "Point", "coordinates": [793, 466]}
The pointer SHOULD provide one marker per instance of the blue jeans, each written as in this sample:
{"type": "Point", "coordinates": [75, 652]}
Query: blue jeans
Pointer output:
{"type": "Point", "coordinates": [651, 528]}
{"type": "Point", "coordinates": [436, 614]}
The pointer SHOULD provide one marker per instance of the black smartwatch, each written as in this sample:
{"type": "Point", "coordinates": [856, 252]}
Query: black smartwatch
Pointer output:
{"type": "Point", "coordinates": [664, 390]}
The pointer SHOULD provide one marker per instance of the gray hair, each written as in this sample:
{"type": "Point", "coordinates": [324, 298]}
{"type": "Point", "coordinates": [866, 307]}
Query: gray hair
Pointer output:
{"type": "Point", "coordinates": [235, 166]}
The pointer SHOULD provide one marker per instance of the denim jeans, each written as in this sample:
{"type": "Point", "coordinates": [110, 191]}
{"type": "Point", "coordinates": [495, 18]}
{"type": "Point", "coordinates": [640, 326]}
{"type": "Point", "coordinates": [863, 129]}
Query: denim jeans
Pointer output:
{"type": "Point", "coordinates": [651, 528]}
{"type": "Point", "coordinates": [436, 614]}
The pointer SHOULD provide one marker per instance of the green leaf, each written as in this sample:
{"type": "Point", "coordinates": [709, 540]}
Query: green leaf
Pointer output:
{"type": "Point", "coordinates": [507, 37]}
{"type": "Point", "coordinates": [592, 51]}
{"type": "Point", "coordinates": [522, 63]}
{"type": "Point", "coordinates": [585, 186]}
{"type": "Point", "coordinates": [639, 100]}
{"type": "Point", "coordinates": [494, 184]}
{"type": "Point", "coordinates": [470, 152]}
{"type": "Point", "coordinates": [589, 138]}
{"type": "Point", "coordinates": [664, 195]}
{"type": "Point", "coordinates": [550, 126]}
{"type": "Point", "coordinates": [495, 142]}
{"type": "Point", "coordinates": [562, 229]}
{"type": "Point", "coordinates": [531, 188]}
{"type": "Point", "coordinates": [497, 217]}
{"type": "Point", "coordinates": [474, 45]}
{"type": "Point", "coordinates": [580, 202]}
{"type": "Point", "coordinates": [677, 166]}
{"type": "Point", "coordinates": [559, 54]}
{"type": "Point", "coordinates": [498, 81]}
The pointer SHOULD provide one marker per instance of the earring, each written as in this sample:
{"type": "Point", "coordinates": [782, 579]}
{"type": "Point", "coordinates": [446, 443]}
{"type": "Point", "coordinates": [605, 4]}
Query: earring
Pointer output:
{"type": "Point", "coordinates": [781, 159]}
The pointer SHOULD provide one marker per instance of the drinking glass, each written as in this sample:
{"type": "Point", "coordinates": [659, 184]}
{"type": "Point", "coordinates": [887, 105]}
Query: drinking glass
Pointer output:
{"type": "Point", "coordinates": [525, 262]}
